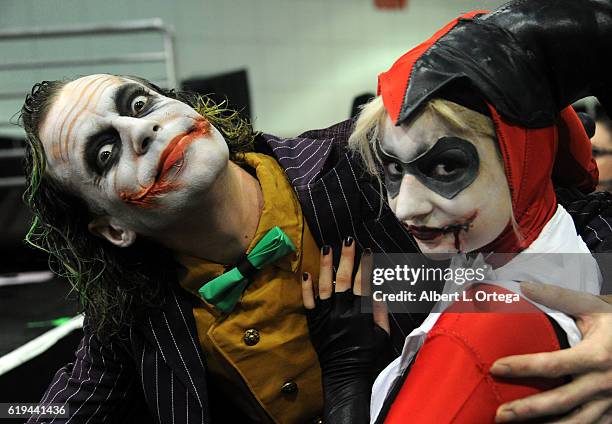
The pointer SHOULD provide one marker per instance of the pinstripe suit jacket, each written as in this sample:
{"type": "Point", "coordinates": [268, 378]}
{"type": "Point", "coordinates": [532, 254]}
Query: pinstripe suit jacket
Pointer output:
{"type": "Point", "coordinates": [160, 371]}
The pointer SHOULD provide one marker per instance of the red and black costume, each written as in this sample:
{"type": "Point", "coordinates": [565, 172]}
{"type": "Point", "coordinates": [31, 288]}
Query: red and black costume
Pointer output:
{"type": "Point", "coordinates": [449, 380]}
{"type": "Point", "coordinates": [522, 65]}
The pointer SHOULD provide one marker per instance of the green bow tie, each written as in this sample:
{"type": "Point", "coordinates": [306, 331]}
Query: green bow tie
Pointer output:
{"type": "Point", "coordinates": [225, 290]}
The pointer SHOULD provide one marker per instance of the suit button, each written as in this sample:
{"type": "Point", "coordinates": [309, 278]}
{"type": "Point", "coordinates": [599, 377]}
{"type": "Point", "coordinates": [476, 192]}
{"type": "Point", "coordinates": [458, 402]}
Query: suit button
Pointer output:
{"type": "Point", "coordinates": [251, 337]}
{"type": "Point", "coordinates": [289, 388]}
{"type": "Point", "coordinates": [318, 420]}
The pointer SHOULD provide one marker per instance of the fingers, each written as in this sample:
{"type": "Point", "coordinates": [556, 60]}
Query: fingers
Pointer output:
{"type": "Point", "coordinates": [565, 300]}
{"type": "Point", "coordinates": [307, 293]}
{"type": "Point", "coordinates": [345, 268]}
{"type": "Point", "coordinates": [576, 360]}
{"type": "Point", "coordinates": [357, 288]}
{"type": "Point", "coordinates": [592, 412]}
{"type": "Point", "coordinates": [590, 362]}
{"type": "Point", "coordinates": [379, 309]}
{"type": "Point", "coordinates": [606, 418]}
{"type": "Point", "coordinates": [326, 272]}
{"type": "Point", "coordinates": [344, 274]}
{"type": "Point", "coordinates": [551, 402]}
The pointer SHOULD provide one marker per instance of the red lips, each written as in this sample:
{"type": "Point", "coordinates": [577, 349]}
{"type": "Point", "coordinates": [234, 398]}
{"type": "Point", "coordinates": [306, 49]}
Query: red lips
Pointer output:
{"type": "Point", "coordinates": [425, 233]}
{"type": "Point", "coordinates": [174, 151]}
{"type": "Point", "coordinates": [171, 155]}
{"type": "Point", "coordinates": [430, 233]}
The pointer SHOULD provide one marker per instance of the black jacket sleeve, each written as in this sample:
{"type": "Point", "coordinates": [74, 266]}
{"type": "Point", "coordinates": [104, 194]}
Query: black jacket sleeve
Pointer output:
{"type": "Point", "coordinates": [592, 216]}
{"type": "Point", "coordinates": [99, 386]}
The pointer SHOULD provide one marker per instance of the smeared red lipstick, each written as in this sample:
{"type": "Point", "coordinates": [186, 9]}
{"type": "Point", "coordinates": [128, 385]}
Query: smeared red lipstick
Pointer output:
{"type": "Point", "coordinates": [431, 233]}
{"type": "Point", "coordinates": [175, 150]}
{"type": "Point", "coordinates": [172, 155]}
{"type": "Point", "coordinates": [425, 233]}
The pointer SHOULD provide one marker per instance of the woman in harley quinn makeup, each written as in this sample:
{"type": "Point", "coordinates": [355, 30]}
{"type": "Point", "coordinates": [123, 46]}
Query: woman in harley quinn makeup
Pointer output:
{"type": "Point", "coordinates": [468, 149]}
{"type": "Point", "coordinates": [445, 178]}
{"type": "Point", "coordinates": [461, 183]}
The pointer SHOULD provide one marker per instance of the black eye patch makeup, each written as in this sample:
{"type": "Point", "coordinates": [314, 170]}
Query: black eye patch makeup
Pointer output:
{"type": "Point", "coordinates": [93, 145]}
{"type": "Point", "coordinates": [125, 94]}
{"type": "Point", "coordinates": [447, 168]}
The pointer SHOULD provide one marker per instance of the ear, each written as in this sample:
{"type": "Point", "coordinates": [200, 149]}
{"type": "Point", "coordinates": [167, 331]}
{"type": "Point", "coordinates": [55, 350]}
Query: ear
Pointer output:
{"type": "Point", "coordinates": [108, 228]}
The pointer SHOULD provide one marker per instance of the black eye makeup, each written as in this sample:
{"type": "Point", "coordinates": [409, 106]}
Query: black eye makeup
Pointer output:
{"type": "Point", "coordinates": [447, 168]}
{"type": "Point", "coordinates": [133, 100]}
{"type": "Point", "coordinates": [102, 151]}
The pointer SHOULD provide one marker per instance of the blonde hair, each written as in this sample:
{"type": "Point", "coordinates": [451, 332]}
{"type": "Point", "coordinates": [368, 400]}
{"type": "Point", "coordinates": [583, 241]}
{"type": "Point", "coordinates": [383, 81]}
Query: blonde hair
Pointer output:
{"type": "Point", "coordinates": [366, 133]}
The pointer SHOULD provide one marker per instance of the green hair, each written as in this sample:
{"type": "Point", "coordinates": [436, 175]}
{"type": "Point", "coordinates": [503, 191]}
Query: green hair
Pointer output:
{"type": "Point", "coordinates": [114, 285]}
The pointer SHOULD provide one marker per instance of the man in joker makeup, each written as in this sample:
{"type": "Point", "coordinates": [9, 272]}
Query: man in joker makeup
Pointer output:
{"type": "Point", "coordinates": [140, 205]}
{"type": "Point", "coordinates": [469, 164]}
{"type": "Point", "coordinates": [143, 197]}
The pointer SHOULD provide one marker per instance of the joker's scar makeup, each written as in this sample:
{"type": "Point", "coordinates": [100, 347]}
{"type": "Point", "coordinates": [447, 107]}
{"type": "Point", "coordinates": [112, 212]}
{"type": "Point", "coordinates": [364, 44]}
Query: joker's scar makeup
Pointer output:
{"type": "Point", "coordinates": [171, 158]}
{"type": "Point", "coordinates": [139, 158]}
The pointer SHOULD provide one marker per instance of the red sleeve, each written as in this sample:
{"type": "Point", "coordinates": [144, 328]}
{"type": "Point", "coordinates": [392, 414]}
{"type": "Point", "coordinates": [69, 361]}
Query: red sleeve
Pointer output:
{"type": "Point", "coordinates": [449, 380]}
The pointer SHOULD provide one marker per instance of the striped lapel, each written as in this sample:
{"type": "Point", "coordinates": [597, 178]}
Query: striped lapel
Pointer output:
{"type": "Point", "coordinates": [303, 158]}
{"type": "Point", "coordinates": [171, 332]}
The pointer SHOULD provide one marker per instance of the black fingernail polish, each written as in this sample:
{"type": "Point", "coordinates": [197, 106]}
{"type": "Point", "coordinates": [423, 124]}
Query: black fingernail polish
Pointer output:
{"type": "Point", "coordinates": [325, 249]}
{"type": "Point", "coordinates": [367, 252]}
{"type": "Point", "coordinates": [348, 241]}
{"type": "Point", "coordinates": [305, 276]}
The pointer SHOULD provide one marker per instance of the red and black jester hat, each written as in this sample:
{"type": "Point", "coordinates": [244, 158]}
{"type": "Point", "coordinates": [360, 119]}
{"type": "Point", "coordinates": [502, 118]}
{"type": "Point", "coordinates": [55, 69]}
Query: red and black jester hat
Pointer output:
{"type": "Point", "coordinates": [475, 62]}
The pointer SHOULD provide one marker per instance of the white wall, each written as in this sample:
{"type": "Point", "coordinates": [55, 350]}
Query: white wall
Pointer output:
{"type": "Point", "coordinates": [306, 59]}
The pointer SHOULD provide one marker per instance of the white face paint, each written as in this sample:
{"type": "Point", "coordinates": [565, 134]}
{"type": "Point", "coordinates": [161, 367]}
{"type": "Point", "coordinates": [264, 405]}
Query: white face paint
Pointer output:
{"type": "Point", "coordinates": [135, 156]}
{"type": "Point", "coordinates": [471, 219]}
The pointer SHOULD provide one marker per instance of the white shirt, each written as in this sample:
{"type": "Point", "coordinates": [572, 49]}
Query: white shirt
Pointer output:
{"type": "Point", "coordinates": [558, 256]}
